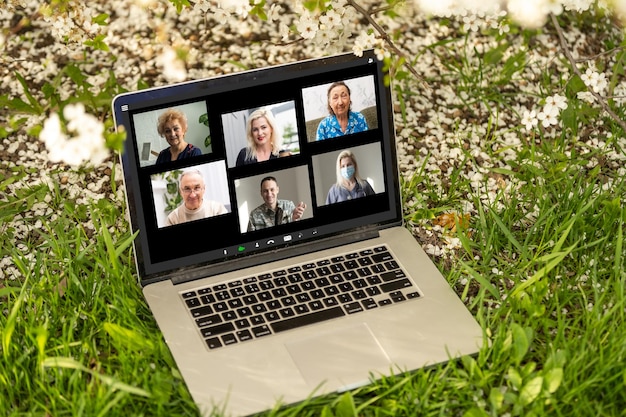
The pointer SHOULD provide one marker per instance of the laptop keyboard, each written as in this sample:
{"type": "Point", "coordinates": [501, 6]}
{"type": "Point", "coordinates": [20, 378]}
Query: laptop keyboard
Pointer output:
{"type": "Point", "coordinates": [261, 305]}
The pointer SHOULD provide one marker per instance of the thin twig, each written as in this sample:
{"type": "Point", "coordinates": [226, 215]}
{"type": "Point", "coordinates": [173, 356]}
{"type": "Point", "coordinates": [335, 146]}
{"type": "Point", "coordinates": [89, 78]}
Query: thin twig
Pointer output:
{"type": "Point", "coordinates": [383, 34]}
{"type": "Point", "coordinates": [591, 58]}
{"type": "Point", "coordinates": [570, 58]}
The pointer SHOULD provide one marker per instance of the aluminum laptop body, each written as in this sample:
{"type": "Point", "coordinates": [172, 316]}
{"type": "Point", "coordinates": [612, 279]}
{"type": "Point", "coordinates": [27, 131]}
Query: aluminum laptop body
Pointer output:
{"type": "Point", "coordinates": [275, 351]}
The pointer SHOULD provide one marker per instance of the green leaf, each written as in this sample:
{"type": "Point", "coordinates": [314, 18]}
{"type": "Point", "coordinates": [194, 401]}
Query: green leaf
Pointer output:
{"type": "Point", "coordinates": [98, 43]}
{"type": "Point", "coordinates": [514, 378]}
{"type": "Point", "coordinates": [131, 339]}
{"type": "Point", "coordinates": [531, 390]}
{"type": "Point", "coordinates": [475, 412]}
{"type": "Point", "coordinates": [345, 406]}
{"type": "Point", "coordinates": [70, 363]}
{"type": "Point", "coordinates": [101, 19]}
{"type": "Point", "coordinates": [553, 379]}
{"type": "Point", "coordinates": [521, 342]}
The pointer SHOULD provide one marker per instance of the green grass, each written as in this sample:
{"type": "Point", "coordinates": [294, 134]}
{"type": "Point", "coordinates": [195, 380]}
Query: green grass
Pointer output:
{"type": "Point", "coordinates": [541, 267]}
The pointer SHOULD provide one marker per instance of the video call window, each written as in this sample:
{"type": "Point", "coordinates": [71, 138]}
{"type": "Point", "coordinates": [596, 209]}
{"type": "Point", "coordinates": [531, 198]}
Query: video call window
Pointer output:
{"type": "Point", "coordinates": [261, 133]}
{"type": "Point", "coordinates": [190, 194]}
{"type": "Point", "coordinates": [348, 174]}
{"type": "Point", "coordinates": [179, 132]}
{"type": "Point", "coordinates": [291, 188]}
{"type": "Point", "coordinates": [340, 108]}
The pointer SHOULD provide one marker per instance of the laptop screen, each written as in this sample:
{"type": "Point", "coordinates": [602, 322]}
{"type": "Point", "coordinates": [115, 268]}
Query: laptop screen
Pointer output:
{"type": "Point", "coordinates": [226, 169]}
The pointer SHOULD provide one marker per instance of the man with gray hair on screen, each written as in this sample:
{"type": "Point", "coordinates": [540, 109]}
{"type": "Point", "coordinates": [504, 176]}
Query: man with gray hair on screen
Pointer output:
{"type": "Point", "coordinates": [194, 206]}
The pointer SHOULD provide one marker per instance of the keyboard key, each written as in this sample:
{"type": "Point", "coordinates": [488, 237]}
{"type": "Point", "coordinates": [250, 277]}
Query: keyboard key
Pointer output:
{"type": "Point", "coordinates": [236, 283]}
{"type": "Point", "coordinates": [217, 330]}
{"type": "Point", "coordinates": [366, 252]}
{"type": "Point", "coordinates": [288, 301]}
{"type": "Point", "coordinates": [392, 275]}
{"type": "Point", "coordinates": [301, 309]}
{"type": "Point", "coordinates": [307, 319]}
{"type": "Point", "coordinates": [229, 339]}
{"type": "Point", "coordinates": [261, 331]}
{"type": "Point", "coordinates": [188, 294]}
{"type": "Point", "coordinates": [372, 291]}
{"type": "Point", "coordinates": [397, 296]}
{"type": "Point", "coordinates": [252, 288]}
{"type": "Point", "coordinates": [208, 320]}
{"type": "Point", "coordinates": [229, 315]}
{"type": "Point", "coordinates": [323, 271]}
{"type": "Point", "coordinates": [201, 311]}
{"type": "Point", "coordinates": [391, 265]}
{"type": "Point", "coordinates": [287, 312]}
{"type": "Point", "coordinates": [382, 257]}
{"type": "Point", "coordinates": [249, 299]}
{"type": "Point", "coordinates": [332, 290]}
{"type": "Point", "coordinates": [213, 343]}
{"type": "Point", "coordinates": [352, 308]}
{"type": "Point", "coordinates": [330, 301]}
{"type": "Point", "coordinates": [413, 294]}
{"type": "Point", "coordinates": [192, 302]}
{"type": "Point", "coordinates": [244, 312]}
{"type": "Point", "coordinates": [280, 273]}
{"type": "Point", "coordinates": [204, 291]}
{"type": "Point", "coordinates": [244, 335]}
{"type": "Point", "coordinates": [259, 308]}
{"type": "Point", "coordinates": [222, 295]}
{"type": "Point", "coordinates": [237, 292]}
{"type": "Point", "coordinates": [395, 285]}
{"type": "Point", "coordinates": [364, 272]}
{"type": "Point", "coordinates": [242, 323]}
{"type": "Point", "coordinates": [208, 299]}
{"type": "Point", "coordinates": [369, 303]}
{"type": "Point", "coordinates": [351, 264]}
{"type": "Point", "coordinates": [221, 306]}
{"type": "Point", "coordinates": [272, 316]}
{"type": "Point", "coordinates": [256, 320]}
{"type": "Point", "coordinates": [365, 261]}
{"type": "Point", "coordinates": [344, 298]}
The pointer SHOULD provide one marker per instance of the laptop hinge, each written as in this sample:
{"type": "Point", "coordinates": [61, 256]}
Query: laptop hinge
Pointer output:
{"type": "Point", "coordinates": [275, 255]}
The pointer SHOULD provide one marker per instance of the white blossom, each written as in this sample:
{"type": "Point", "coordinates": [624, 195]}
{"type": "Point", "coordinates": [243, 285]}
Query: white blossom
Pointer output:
{"type": "Point", "coordinates": [84, 141]}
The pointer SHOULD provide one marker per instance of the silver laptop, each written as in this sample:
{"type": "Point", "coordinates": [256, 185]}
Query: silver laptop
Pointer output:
{"type": "Point", "coordinates": [270, 247]}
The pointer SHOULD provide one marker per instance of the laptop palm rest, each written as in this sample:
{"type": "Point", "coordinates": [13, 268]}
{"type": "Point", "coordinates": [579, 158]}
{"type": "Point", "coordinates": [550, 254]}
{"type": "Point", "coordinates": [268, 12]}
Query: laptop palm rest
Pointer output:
{"type": "Point", "coordinates": [340, 357]}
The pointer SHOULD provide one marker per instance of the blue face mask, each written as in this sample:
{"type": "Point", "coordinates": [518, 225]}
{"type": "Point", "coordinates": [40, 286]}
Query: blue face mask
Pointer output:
{"type": "Point", "coordinates": [347, 172]}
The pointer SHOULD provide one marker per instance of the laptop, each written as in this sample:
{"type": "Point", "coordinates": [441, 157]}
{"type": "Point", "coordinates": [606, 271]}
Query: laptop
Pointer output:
{"type": "Point", "coordinates": [271, 276]}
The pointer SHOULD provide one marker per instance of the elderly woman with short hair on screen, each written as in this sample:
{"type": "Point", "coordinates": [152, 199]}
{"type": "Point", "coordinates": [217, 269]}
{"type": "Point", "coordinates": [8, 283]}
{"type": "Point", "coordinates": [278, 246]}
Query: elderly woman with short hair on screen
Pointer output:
{"type": "Point", "coordinates": [172, 125]}
{"type": "Point", "coordinates": [341, 119]}
{"type": "Point", "coordinates": [349, 184]}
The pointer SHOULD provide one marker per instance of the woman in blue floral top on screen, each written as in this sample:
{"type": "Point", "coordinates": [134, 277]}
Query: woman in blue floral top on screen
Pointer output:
{"type": "Point", "coordinates": [341, 120]}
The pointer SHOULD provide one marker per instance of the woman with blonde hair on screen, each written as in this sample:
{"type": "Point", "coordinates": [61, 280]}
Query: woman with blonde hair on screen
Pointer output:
{"type": "Point", "coordinates": [264, 139]}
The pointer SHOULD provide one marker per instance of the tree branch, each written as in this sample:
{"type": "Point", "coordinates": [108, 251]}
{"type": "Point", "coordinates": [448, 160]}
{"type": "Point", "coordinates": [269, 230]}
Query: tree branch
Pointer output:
{"type": "Point", "coordinates": [385, 37]}
{"type": "Point", "coordinates": [572, 61]}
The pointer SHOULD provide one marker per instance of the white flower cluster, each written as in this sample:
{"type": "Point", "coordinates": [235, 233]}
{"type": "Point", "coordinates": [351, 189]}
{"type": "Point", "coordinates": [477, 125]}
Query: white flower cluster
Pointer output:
{"type": "Point", "coordinates": [548, 115]}
{"type": "Point", "coordinates": [595, 81]}
{"type": "Point", "coordinates": [528, 13]}
{"type": "Point", "coordinates": [331, 30]}
{"type": "Point", "coordinates": [84, 141]}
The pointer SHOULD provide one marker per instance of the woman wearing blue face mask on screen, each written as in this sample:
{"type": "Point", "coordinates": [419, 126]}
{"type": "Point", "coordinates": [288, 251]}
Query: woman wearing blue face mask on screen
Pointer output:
{"type": "Point", "coordinates": [349, 185]}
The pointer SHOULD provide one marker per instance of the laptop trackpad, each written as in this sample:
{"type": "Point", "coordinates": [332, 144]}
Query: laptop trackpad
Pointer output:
{"type": "Point", "coordinates": [346, 354]}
